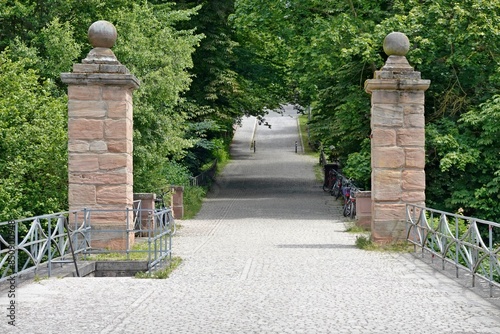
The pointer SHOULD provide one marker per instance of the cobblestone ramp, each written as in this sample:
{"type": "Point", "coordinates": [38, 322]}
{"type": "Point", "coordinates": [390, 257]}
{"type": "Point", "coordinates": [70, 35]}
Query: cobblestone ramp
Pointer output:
{"type": "Point", "coordinates": [266, 254]}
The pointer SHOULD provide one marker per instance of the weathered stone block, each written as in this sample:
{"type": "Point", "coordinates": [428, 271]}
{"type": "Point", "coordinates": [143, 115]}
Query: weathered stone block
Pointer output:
{"type": "Point", "coordinates": [118, 129]}
{"type": "Point", "coordinates": [385, 97]}
{"type": "Point", "coordinates": [388, 231]}
{"type": "Point", "coordinates": [85, 68]}
{"type": "Point", "coordinates": [415, 197]}
{"type": "Point", "coordinates": [99, 178]}
{"type": "Point", "coordinates": [84, 92]}
{"type": "Point", "coordinates": [415, 158]}
{"type": "Point", "coordinates": [389, 212]}
{"type": "Point", "coordinates": [364, 209]}
{"type": "Point", "coordinates": [93, 109]}
{"type": "Point", "coordinates": [115, 161]}
{"type": "Point", "coordinates": [386, 185]}
{"type": "Point", "coordinates": [119, 109]}
{"type": "Point", "coordinates": [114, 93]}
{"type": "Point", "coordinates": [78, 146]}
{"type": "Point", "coordinates": [120, 146]}
{"type": "Point", "coordinates": [386, 115]}
{"type": "Point", "coordinates": [414, 109]}
{"type": "Point", "coordinates": [388, 157]}
{"type": "Point", "coordinates": [81, 129]}
{"type": "Point", "coordinates": [413, 180]}
{"type": "Point", "coordinates": [414, 121]}
{"type": "Point", "coordinates": [412, 97]}
{"type": "Point", "coordinates": [411, 137]}
{"type": "Point", "coordinates": [106, 68]}
{"type": "Point", "coordinates": [82, 195]}
{"type": "Point", "coordinates": [82, 163]}
{"type": "Point", "coordinates": [112, 194]}
{"type": "Point", "coordinates": [98, 146]}
{"type": "Point", "coordinates": [383, 137]}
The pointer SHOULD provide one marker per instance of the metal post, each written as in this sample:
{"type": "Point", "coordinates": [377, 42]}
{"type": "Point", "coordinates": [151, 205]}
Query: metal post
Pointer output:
{"type": "Point", "coordinates": [16, 253]}
{"type": "Point", "coordinates": [295, 146]}
{"type": "Point", "coordinates": [254, 146]}
{"type": "Point", "coordinates": [49, 244]}
{"type": "Point", "coordinates": [127, 227]}
{"type": "Point", "coordinates": [72, 250]}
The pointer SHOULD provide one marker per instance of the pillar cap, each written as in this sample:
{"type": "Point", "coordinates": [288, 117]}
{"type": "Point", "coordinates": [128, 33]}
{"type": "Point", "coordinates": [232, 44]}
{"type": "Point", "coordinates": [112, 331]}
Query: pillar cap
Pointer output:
{"type": "Point", "coordinates": [102, 36]}
{"type": "Point", "coordinates": [396, 44]}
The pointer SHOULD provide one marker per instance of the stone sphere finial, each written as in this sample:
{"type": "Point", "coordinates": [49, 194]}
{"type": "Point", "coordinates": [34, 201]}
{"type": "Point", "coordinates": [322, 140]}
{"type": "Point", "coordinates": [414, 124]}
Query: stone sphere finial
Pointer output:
{"type": "Point", "coordinates": [396, 44]}
{"type": "Point", "coordinates": [102, 34]}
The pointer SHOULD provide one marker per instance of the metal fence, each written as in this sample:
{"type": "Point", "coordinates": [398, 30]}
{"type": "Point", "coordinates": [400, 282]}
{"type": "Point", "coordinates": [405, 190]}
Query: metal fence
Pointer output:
{"type": "Point", "coordinates": [41, 242]}
{"type": "Point", "coordinates": [467, 243]}
{"type": "Point", "coordinates": [205, 178]}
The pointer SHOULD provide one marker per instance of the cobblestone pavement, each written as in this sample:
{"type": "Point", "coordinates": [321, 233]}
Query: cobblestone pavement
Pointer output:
{"type": "Point", "coordinates": [266, 254]}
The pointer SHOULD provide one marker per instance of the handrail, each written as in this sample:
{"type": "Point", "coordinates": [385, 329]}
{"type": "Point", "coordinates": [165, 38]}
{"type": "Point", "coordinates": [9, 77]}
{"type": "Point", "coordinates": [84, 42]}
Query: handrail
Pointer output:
{"type": "Point", "coordinates": [27, 244]}
{"type": "Point", "coordinates": [468, 243]}
{"type": "Point", "coordinates": [205, 177]}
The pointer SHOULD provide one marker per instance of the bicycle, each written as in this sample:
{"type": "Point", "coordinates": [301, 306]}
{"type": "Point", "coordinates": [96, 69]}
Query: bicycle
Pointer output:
{"type": "Point", "coordinates": [165, 214]}
{"type": "Point", "coordinates": [349, 193]}
{"type": "Point", "coordinates": [346, 193]}
{"type": "Point", "coordinates": [337, 187]}
{"type": "Point", "coordinates": [352, 204]}
{"type": "Point", "coordinates": [330, 182]}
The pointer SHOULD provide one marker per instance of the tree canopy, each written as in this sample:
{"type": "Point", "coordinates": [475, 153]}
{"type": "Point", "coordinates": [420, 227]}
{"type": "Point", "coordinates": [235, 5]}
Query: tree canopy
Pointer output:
{"type": "Point", "coordinates": [332, 47]}
{"type": "Point", "coordinates": [205, 64]}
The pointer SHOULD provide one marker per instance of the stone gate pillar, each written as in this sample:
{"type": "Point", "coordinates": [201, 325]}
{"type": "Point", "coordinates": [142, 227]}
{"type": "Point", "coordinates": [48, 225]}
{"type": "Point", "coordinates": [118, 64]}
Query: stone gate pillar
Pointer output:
{"type": "Point", "coordinates": [100, 138]}
{"type": "Point", "coordinates": [397, 140]}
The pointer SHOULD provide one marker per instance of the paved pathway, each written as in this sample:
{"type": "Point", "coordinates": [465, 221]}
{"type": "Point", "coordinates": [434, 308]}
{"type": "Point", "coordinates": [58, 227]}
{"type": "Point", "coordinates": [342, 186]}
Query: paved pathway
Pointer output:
{"type": "Point", "coordinates": [266, 254]}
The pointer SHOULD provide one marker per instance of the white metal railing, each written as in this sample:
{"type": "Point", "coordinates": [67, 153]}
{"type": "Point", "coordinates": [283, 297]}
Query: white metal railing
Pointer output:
{"type": "Point", "coordinates": [468, 243]}
{"type": "Point", "coordinates": [27, 243]}
{"type": "Point", "coordinates": [42, 241]}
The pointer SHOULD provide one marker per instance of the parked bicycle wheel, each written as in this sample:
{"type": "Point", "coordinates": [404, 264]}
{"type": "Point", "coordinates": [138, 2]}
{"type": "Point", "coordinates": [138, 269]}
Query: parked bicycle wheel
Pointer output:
{"type": "Point", "coordinates": [347, 209]}
{"type": "Point", "coordinates": [337, 188]}
{"type": "Point", "coordinates": [352, 212]}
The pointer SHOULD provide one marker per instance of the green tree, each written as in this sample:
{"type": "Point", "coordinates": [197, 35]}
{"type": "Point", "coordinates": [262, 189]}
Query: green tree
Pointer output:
{"type": "Point", "coordinates": [159, 55]}
{"type": "Point", "coordinates": [33, 158]}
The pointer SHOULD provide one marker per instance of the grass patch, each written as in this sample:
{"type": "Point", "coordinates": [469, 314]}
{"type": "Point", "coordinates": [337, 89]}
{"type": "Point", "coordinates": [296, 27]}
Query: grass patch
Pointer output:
{"type": "Point", "coordinates": [162, 273]}
{"type": "Point", "coordinates": [38, 278]}
{"type": "Point", "coordinates": [365, 242]}
{"type": "Point", "coordinates": [305, 138]}
{"type": "Point", "coordinates": [319, 173]}
{"type": "Point", "coordinates": [318, 169]}
{"type": "Point", "coordinates": [139, 252]}
{"type": "Point", "coordinates": [351, 227]}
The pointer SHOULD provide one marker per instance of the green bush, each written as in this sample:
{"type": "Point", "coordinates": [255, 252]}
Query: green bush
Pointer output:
{"type": "Point", "coordinates": [193, 199]}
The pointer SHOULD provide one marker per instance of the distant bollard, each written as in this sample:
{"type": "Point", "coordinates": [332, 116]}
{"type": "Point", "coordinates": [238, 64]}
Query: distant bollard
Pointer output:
{"type": "Point", "coordinates": [254, 146]}
{"type": "Point", "coordinates": [295, 146]}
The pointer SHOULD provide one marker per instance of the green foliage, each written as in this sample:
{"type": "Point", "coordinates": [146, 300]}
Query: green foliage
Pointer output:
{"type": "Point", "coordinates": [364, 242]}
{"type": "Point", "coordinates": [193, 199]}
{"type": "Point", "coordinates": [330, 49]}
{"type": "Point", "coordinates": [205, 64]}
{"type": "Point", "coordinates": [33, 140]}
{"type": "Point", "coordinates": [159, 130]}
{"type": "Point", "coordinates": [358, 167]}
{"type": "Point", "coordinates": [176, 173]}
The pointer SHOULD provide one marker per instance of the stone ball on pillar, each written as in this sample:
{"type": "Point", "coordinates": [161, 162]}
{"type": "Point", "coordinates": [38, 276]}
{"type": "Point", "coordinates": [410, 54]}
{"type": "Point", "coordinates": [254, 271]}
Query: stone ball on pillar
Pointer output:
{"type": "Point", "coordinates": [396, 44]}
{"type": "Point", "coordinates": [102, 34]}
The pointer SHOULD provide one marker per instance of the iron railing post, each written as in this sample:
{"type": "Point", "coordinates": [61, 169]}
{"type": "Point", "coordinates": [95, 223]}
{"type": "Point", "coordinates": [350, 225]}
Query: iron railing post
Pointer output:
{"type": "Point", "coordinates": [49, 245]}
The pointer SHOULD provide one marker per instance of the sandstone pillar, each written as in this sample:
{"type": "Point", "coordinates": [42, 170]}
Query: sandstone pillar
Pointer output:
{"type": "Point", "coordinates": [100, 139]}
{"type": "Point", "coordinates": [398, 140]}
